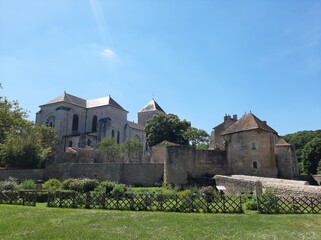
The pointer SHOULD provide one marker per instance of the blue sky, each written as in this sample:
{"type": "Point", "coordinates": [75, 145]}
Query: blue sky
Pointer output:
{"type": "Point", "coordinates": [199, 59]}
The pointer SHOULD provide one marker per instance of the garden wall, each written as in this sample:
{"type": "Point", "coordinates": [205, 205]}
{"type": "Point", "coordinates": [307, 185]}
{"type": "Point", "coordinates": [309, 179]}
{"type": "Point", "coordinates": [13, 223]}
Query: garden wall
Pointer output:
{"type": "Point", "coordinates": [22, 174]}
{"type": "Point", "coordinates": [182, 162]}
{"type": "Point", "coordinates": [236, 186]}
{"type": "Point", "coordinates": [133, 174]}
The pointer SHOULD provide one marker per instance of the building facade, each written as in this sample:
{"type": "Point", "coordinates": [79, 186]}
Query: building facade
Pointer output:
{"type": "Point", "coordinates": [82, 123]}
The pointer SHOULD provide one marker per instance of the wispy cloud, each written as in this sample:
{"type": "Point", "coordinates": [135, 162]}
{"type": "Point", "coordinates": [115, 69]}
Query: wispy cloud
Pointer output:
{"type": "Point", "coordinates": [100, 21]}
{"type": "Point", "coordinates": [107, 53]}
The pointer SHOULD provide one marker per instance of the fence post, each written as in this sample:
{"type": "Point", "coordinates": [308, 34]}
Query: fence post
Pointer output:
{"type": "Point", "coordinates": [87, 200]}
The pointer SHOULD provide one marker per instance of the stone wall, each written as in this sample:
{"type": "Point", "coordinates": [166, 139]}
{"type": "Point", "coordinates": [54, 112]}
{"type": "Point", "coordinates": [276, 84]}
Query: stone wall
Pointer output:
{"type": "Point", "coordinates": [236, 186]}
{"type": "Point", "coordinates": [266, 180]}
{"type": "Point", "coordinates": [182, 162]}
{"type": "Point", "coordinates": [22, 174]}
{"type": "Point", "coordinates": [131, 174]}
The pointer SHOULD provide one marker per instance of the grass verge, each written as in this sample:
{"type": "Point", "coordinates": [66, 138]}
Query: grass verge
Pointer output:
{"type": "Point", "coordinates": [41, 222]}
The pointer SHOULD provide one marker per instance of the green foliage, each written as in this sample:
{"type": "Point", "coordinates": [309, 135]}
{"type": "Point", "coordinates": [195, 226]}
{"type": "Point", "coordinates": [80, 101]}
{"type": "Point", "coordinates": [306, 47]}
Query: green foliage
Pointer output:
{"type": "Point", "coordinates": [167, 127]}
{"type": "Point", "coordinates": [28, 147]}
{"type": "Point", "coordinates": [52, 184]}
{"type": "Point", "coordinates": [197, 137]}
{"type": "Point", "coordinates": [319, 167]}
{"type": "Point", "coordinates": [209, 193]}
{"type": "Point", "coordinates": [105, 187]}
{"type": "Point", "coordinates": [89, 184]}
{"type": "Point", "coordinates": [311, 156]}
{"type": "Point", "coordinates": [10, 184]}
{"type": "Point", "coordinates": [130, 149]}
{"type": "Point", "coordinates": [187, 193]}
{"type": "Point", "coordinates": [300, 140]}
{"type": "Point", "coordinates": [109, 148]}
{"type": "Point", "coordinates": [66, 184]}
{"type": "Point", "coordinates": [28, 184]}
{"type": "Point", "coordinates": [119, 189]}
{"type": "Point", "coordinates": [80, 184]}
{"type": "Point", "coordinates": [123, 152]}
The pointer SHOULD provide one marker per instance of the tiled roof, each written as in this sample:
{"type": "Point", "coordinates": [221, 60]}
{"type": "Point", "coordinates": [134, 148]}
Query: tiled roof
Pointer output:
{"type": "Point", "coordinates": [152, 106]}
{"type": "Point", "coordinates": [248, 122]}
{"type": "Point", "coordinates": [136, 126]}
{"type": "Point", "coordinates": [282, 142]}
{"type": "Point", "coordinates": [105, 101]}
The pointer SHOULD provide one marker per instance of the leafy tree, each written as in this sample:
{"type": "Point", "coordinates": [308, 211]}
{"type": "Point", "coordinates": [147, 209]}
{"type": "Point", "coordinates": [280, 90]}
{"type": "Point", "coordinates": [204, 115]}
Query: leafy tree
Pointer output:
{"type": "Point", "coordinates": [109, 148]}
{"type": "Point", "coordinates": [123, 152]}
{"type": "Point", "coordinates": [130, 149]}
{"type": "Point", "coordinates": [12, 117]}
{"type": "Point", "coordinates": [168, 127]}
{"type": "Point", "coordinates": [311, 156]}
{"type": "Point", "coordinates": [197, 137]}
{"type": "Point", "coordinates": [29, 147]}
{"type": "Point", "coordinates": [300, 139]}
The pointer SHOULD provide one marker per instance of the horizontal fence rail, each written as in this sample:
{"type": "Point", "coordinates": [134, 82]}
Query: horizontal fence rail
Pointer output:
{"type": "Point", "coordinates": [25, 198]}
{"type": "Point", "coordinates": [275, 204]}
{"type": "Point", "coordinates": [145, 202]}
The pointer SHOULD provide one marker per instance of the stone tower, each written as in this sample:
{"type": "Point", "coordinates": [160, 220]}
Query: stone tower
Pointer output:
{"type": "Point", "coordinates": [250, 148]}
{"type": "Point", "coordinates": [148, 112]}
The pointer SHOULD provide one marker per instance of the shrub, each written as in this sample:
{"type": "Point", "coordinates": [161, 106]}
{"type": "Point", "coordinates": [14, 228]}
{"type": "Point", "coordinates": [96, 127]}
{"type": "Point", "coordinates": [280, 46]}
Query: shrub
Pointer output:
{"type": "Point", "coordinates": [66, 184]}
{"type": "Point", "coordinates": [10, 184]}
{"type": "Point", "coordinates": [42, 197]}
{"type": "Point", "coordinates": [89, 184]}
{"type": "Point", "coordinates": [209, 193]}
{"type": "Point", "coordinates": [105, 187]}
{"type": "Point", "coordinates": [251, 205]}
{"type": "Point", "coordinates": [28, 184]}
{"type": "Point", "coordinates": [187, 193]}
{"type": "Point", "coordinates": [119, 189]}
{"type": "Point", "coordinates": [52, 184]}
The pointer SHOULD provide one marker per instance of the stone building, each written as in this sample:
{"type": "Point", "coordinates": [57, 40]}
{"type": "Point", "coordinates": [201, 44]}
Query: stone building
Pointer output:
{"type": "Point", "coordinates": [254, 148]}
{"type": "Point", "coordinates": [247, 146]}
{"type": "Point", "coordinates": [81, 123]}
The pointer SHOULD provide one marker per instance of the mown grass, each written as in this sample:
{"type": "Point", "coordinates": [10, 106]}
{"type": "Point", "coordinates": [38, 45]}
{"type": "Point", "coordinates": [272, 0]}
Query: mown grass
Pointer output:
{"type": "Point", "coordinates": [41, 222]}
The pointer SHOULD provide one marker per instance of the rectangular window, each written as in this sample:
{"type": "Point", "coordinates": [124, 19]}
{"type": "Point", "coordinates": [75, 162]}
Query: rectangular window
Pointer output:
{"type": "Point", "coordinates": [255, 165]}
{"type": "Point", "coordinates": [253, 146]}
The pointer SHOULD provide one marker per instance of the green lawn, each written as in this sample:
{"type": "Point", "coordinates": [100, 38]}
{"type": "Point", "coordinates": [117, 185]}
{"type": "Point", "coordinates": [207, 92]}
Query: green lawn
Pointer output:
{"type": "Point", "coordinates": [41, 222]}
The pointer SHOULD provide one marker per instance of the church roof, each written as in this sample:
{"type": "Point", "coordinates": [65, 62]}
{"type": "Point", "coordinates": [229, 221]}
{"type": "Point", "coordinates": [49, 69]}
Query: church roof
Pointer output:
{"type": "Point", "coordinates": [136, 126]}
{"type": "Point", "coordinates": [248, 122]}
{"type": "Point", "coordinates": [152, 106]}
{"type": "Point", "coordinates": [282, 142]}
{"type": "Point", "coordinates": [98, 102]}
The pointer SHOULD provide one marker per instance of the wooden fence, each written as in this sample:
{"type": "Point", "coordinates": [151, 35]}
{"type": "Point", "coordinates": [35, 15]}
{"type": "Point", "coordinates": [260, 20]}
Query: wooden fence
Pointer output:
{"type": "Point", "coordinates": [146, 202]}
{"type": "Point", "coordinates": [273, 204]}
{"type": "Point", "coordinates": [25, 198]}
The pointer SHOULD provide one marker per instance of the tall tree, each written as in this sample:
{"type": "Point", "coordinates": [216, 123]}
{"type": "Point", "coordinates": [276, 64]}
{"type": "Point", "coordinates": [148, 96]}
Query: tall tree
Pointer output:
{"type": "Point", "coordinates": [167, 127]}
{"type": "Point", "coordinates": [197, 137]}
{"type": "Point", "coordinates": [311, 156]}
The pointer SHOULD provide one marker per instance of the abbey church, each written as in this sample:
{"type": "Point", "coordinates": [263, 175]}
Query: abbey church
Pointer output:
{"type": "Point", "coordinates": [246, 146]}
{"type": "Point", "coordinates": [82, 123]}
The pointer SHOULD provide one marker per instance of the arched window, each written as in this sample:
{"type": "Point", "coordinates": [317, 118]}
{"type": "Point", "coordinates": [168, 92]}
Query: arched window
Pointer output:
{"type": "Point", "coordinates": [94, 124]}
{"type": "Point", "coordinates": [118, 137]}
{"type": "Point", "coordinates": [113, 133]}
{"type": "Point", "coordinates": [75, 122]}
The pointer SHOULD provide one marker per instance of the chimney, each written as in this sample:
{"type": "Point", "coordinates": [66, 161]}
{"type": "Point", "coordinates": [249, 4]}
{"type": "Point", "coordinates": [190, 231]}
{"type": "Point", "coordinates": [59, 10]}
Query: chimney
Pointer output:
{"type": "Point", "coordinates": [235, 117]}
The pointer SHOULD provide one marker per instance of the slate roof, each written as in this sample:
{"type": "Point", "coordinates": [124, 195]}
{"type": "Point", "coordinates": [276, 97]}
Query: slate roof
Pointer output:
{"type": "Point", "coordinates": [248, 122]}
{"type": "Point", "coordinates": [98, 102]}
{"type": "Point", "coordinates": [136, 126]}
{"type": "Point", "coordinates": [152, 106]}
